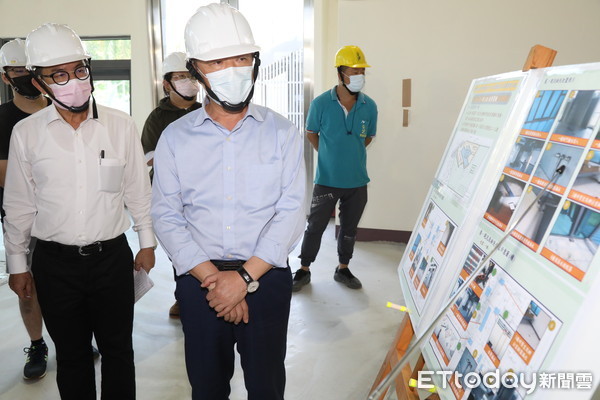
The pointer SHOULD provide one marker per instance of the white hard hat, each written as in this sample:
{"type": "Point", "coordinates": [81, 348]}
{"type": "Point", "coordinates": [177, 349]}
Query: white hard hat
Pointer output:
{"type": "Point", "coordinates": [12, 54]}
{"type": "Point", "coordinates": [174, 62]}
{"type": "Point", "coordinates": [218, 31]}
{"type": "Point", "coordinates": [53, 44]}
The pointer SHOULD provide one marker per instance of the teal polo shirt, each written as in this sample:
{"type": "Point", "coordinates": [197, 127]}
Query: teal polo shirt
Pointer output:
{"type": "Point", "coordinates": [342, 157]}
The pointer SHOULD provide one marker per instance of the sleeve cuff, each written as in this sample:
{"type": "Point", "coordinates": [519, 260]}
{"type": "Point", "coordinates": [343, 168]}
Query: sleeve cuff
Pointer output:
{"type": "Point", "coordinates": [186, 258]}
{"type": "Point", "coordinates": [17, 264]}
{"type": "Point", "coordinates": [147, 239]}
{"type": "Point", "coordinates": [187, 268]}
{"type": "Point", "coordinates": [270, 252]}
{"type": "Point", "coordinates": [149, 156]}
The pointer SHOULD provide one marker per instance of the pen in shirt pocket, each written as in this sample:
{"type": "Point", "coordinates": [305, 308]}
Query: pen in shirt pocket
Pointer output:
{"type": "Point", "coordinates": [101, 156]}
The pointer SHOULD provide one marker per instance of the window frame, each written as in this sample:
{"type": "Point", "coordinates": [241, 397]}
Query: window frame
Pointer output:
{"type": "Point", "coordinates": [111, 70]}
{"type": "Point", "coordinates": [102, 70]}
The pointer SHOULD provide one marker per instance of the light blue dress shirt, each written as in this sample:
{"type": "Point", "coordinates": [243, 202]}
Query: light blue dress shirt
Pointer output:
{"type": "Point", "coordinates": [220, 194]}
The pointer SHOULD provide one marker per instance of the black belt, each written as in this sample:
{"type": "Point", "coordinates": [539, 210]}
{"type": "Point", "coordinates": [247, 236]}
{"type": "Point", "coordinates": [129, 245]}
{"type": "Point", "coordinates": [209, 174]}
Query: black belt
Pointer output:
{"type": "Point", "coordinates": [87, 250]}
{"type": "Point", "coordinates": [228, 265]}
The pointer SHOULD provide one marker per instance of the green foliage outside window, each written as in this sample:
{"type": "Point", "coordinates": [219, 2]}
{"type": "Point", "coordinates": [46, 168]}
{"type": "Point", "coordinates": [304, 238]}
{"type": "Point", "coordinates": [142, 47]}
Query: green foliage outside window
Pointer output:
{"type": "Point", "coordinates": [114, 94]}
{"type": "Point", "coordinates": [109, 49]}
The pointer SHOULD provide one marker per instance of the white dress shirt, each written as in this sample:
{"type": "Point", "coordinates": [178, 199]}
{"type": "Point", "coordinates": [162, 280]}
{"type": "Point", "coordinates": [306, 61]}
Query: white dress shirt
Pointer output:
{"type": "Point", "coordinates": [72, 186]}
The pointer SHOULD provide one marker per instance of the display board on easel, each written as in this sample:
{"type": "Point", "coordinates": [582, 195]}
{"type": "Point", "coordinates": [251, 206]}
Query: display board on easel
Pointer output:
{"type": "Point", "coordinates": [446, 219]}
{"type": "Point", "coordinates": [489, 107]}
{"type": "Point", "coordinates": [520, 311]}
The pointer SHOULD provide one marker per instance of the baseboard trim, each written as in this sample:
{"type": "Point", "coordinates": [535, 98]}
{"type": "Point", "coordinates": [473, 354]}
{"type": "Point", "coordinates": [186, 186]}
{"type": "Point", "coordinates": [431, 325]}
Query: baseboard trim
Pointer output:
{"type": "Point", "coordinates": [375, 235]}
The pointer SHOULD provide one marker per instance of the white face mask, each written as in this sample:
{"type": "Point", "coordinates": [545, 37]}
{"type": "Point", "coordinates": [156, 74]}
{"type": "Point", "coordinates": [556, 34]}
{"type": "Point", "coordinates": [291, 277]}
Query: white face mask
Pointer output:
{"type": "Point", "coordinates": [187, 87]}
{"type": "Point", "coordinates": [231, 84]}
{"type": "Point", "coordinates": [357, 82]}
{"type": "Point", "coordinates": [74, 94]}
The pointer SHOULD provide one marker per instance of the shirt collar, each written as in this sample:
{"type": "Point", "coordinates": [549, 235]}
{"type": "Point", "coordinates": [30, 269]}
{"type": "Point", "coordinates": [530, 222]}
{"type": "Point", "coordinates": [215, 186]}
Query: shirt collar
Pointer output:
{"type": "Point", "coordinates": [253, 111]}
{"type": "Point", "coordinates": [334, 97]}
{"type": "Point", "coordinates": [53, 114]}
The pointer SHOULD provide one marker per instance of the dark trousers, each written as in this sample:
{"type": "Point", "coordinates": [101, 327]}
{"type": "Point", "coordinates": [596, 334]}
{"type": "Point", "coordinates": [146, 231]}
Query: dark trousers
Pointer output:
{"type": "Point", "coordinates": [209, 341]}
{"type": "Point", "coordinates": [324, 199]}
{"type": "Point", "coordinates": [81, 296]}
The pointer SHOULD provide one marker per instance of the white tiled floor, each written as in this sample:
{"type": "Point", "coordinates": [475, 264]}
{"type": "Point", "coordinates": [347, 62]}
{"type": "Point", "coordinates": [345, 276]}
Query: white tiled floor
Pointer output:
{"type": "Point", "coordinates": [337, 337]}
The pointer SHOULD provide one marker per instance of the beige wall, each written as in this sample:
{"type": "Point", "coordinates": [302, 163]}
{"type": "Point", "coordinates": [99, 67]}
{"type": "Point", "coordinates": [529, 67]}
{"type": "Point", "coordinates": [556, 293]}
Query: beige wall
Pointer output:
{"type": "Point", "coordinates": [441, 45]}
{"type": "Point", "coordinates": [92, 18]}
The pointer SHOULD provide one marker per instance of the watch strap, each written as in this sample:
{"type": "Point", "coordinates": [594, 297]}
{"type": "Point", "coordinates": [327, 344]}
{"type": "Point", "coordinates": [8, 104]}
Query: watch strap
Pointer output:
{"type": "Point", "coordinates": [245, 275]}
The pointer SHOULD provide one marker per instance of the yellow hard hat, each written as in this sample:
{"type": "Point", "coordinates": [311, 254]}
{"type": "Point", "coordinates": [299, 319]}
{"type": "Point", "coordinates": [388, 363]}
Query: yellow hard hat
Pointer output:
{"type": "Point", "coordinates": [351, 56]}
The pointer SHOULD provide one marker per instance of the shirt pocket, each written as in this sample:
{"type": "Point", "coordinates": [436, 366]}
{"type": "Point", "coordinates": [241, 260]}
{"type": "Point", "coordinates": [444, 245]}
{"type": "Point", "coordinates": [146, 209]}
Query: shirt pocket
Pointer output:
{"type": "Point", "coordinates": [110, 174]}
{"type": "Point", "coordinates": [263, 185]}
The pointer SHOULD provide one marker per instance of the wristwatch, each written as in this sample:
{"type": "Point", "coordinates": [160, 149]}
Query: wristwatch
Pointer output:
{"type": "Point", "coordinates": [252, 284]}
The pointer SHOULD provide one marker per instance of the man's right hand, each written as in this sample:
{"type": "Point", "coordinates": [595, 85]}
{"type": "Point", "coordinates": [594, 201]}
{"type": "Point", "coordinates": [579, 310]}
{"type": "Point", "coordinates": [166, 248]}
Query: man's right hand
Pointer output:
{"type": "Point", "coordinates": [21, 284]}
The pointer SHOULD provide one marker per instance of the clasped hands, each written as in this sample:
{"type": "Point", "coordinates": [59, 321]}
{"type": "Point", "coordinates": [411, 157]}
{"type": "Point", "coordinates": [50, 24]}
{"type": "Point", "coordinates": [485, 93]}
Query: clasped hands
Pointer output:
{"type": "Point", "coordinates": [227, 295]}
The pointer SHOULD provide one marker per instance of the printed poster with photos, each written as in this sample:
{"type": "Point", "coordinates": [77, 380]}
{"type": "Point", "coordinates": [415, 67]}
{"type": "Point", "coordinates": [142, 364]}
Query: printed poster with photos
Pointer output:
{"type": "Point", "coordinates": [517, 312]}
{"type": "Point", "coordinates": [561, 130]}
{"type": "Point", "coordinates": [489, 104]}
{"type": "Point", "coordinates": [426, 253]}
{"type": "Point", "coordinates": [496, 323]}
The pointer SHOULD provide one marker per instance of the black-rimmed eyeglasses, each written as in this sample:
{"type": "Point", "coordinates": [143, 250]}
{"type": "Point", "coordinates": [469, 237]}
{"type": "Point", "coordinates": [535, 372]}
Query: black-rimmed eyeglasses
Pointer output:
{"type": "Point", "coordinates": [63, 77]}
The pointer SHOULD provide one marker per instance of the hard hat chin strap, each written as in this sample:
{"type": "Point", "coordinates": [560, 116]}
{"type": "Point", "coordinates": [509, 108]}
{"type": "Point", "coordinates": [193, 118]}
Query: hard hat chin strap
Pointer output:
{"type": "Point", "coordinates": [74, 109]}
{"type": "Point", "coordinates": [350, 91]}
{"type": "Point", "coordinates": [186, 98]}
{"type": "Point", "coordinates": [233, 108]}
{"type": "Point", "coordinates": [17, 89]}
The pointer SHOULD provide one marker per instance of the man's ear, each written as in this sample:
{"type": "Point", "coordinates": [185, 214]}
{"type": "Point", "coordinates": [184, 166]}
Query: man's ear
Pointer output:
{"type": "Point", "coordinates": [340, 75]}
{"type": "Point", "coordinates": [167, 87]}
{"type": "Point", "coordinates": [5, 79]}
